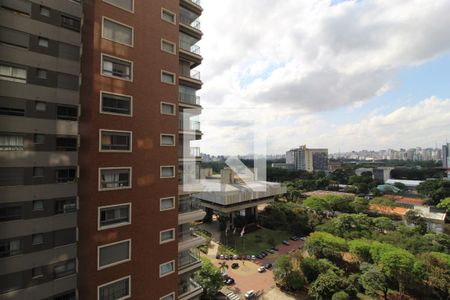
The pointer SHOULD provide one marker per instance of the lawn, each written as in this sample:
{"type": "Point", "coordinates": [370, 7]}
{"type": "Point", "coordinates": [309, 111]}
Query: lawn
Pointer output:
{"type": "Point", "coordinates": [254, 242]}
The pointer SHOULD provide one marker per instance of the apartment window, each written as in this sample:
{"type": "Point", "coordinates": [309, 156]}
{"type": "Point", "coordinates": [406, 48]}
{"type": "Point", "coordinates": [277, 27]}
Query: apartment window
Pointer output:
{"type": "Point", "coordinates": [116, 104]}
{"type": "Point", "coordinates": [119, 289]}
{"type": "Point", "coordinates": [65, 206]}
{"type": "Point", "coordinates": [167, 140]}
{"type": "Point", "coordinates": [44, 11]}
{"type": "Point", "coordinates": [65, 269]}
{"type": "Point", "coordinates": [66, 144]}
{"type": "Point", "coordinates": [14, 74]}
{"type": "Point", "coordinates": [41, 74]}
{"type": "Point", "coordinates": [10, 248]}
{"type": "Point", "coordinates": [37, 272]}
{"type": "Point", "coordinates": [69, 295]}
{"type": "Point", "coordinates": [43, 42]}
{"type": "Point", "coordinates": [37, 239]}
{"type": "Point", "coordinates": [168, 108]}
{"type": "Point", "coordinates": [166, 236]}
{"type": "Point", "coordinates": [12, 111]}
{"type": "Point", "coordinates": [38, 205]}
{"type": "Point", "coordinates": [39, 138]}
{"type": "Point", "coordinates": [166, 268]}
{"type": "Point", "coordinates": [11, 143]}
{"type": "Point", "coordinates": [117, 32]}
{"type": "Point", "coordinates": [70, 23]}
{"type": "Point", "coordinates": [168, 46]}
{"type": "Point", "coordinates": [168, 16]}
{"type": "Point", "coordinates": [115, 178]}
{"type": "Point", "coordinates": [115, 140]}
{"type": "Point", "coordinates": [67, 113]}
{"type": "Point", "coordinates": [167, 171]}
{"type": "Point", "coordinates": [40, 106]}
{"type": "Point", "coordinates": [38, 172]}
{"type": "Point", "coordinates": [66, 175]}
{"type": "Point", "coordinates": [167, 77]}
{"type": "Point", "coordinates": [167, 203]}
{"type": "Point", "coordinates": [117, 215]}
{"type": "Point", "coordinates": [10, 212]}
{"type": "Point", "coordinates": [170, 296]}
{"type": "Point", "coordinates": [116, 67]}
{"type": "Point", "coordinates": [123, 4]}
{"type": "Point", "coordinates": [113, 254]}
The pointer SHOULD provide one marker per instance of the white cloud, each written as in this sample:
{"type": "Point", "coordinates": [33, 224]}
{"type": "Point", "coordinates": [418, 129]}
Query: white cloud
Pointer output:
{"type": "Point", "coordinates": [305, 57]}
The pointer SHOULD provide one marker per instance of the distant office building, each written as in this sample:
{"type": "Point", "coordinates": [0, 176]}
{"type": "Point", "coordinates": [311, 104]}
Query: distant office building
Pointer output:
{"type": "Point", "coordinates": [308, 159]}
{"type": "Point", "coordinates": [446, 158]}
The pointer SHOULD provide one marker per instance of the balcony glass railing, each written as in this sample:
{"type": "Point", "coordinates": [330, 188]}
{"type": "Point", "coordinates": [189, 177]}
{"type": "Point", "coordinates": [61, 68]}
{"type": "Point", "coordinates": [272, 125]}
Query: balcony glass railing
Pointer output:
{"type": "Point", "coordinates": [188, 257]}
{"type": "Point", "coordinates": [193, 74]}
{"type": "Point", "coordinates": [186, 235]}
{"type": "Point", "coordinates": [186, 20]}
{"type": "Point", "coordinates": [186, 287]}
{"type": "Point", "coordinates": [191, 152]}
{"type": "Point", "coordinates": [188, 205]}
{"type": "Point", "coordinates": [196, 2]}
{"type": "Point", "coordinates": [190, 126]}
{"type": "Point", "coordinates": [189, 98]}
{"type": "Point", "coordinates": [189, 47]}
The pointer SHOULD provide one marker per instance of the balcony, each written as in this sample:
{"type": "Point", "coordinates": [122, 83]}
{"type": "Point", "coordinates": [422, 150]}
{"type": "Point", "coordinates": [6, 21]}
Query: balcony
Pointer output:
{"type": "Point", "coordinates": [188, 240]}
{"type": "Point", "coordinates": [192, 5]}
{"type": "Point", "coordinates": [189, 261]}
{"type": "Point", "coordinates": [190, 51]}
{"type": "Point", "coordinates": [190, 78]}
{"type": "Point", "coordinates": [188, 289]}
{"type": "Point", "coordinates": [189, 98]}
{"type": "Point", "coordinates": [189, 210]}
{"type": "Point", "coordinates": [190, 23]}
{"type": "Point", "coordinates": [190, 154]}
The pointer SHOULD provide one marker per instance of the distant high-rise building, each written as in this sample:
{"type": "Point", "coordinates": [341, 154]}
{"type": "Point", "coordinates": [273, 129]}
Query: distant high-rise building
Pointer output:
{"type": "Point", "coordinates": [446, 158]}
{"type": "Point", "coordinates": [308, 159]}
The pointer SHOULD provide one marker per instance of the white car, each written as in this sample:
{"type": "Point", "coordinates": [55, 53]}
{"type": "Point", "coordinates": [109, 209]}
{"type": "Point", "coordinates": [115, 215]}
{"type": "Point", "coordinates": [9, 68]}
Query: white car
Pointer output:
{"type": "Point", "coordinates": [250, 294]}
{"type": "Point", "coordinates": [261, 269]}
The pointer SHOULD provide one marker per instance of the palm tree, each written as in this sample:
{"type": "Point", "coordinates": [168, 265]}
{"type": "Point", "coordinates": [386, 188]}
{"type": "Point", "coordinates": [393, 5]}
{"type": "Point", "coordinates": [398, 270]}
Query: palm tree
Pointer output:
{"type": "Point", "coordinates": [223, 266]}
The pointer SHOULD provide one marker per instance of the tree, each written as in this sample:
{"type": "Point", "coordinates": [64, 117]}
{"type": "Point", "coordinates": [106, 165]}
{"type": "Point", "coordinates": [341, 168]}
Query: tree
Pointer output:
{"type": "Point", "coordinates": [359, 205]}
{"type": "Point", "coordinates": [435, 190]}
{"type": "Point", "coordinates": [349, 226]}
{"type": "Point", "coordinates": [287, 275]}
{"type": "Point", "coordinates": [312, 267]}
{"type": "Point", "coordinates": [413, 217]}
{"type": "Point", "coordinates": [328, 203]}
{"type": "Point", "coordinates": [445, 204]}
{"type": "Point", "coordinates": [361, 248]}
{"type": "Point", "coordinates": [325, 245]}
{"type": "Point", "coordinates": [383, 224]}
{"type": "Point", "coordinates": [341, 295]}
{"type": "Point", "coordinates": [325, 286]}
{"type": "Point", "coordinates": [437, 268]}
{"type": "Point", "coordinates": [401, 265]}
{"type": "Point", "coordinates": [373, 280]}
{"type": "Point", "coordinates": [210, 278]}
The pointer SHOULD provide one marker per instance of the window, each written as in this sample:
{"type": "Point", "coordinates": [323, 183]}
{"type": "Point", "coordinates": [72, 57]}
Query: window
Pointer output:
{"type": "Point", "coordinates": [113, 254]}
{"type": "Point", "coordinates": [10, 248]}
{"type": "Point", "coordinates": [66, 143]}
{"type": "Point", "coordinates": [10, 212]}
{"type": "Point", "coordinates": [116, 290]}
{"type": "Point", "coordinates": [167, 203]}
{"type": "Point", "coordinates": [65, 206]}
{"type": "Point", "coordinates": [67, 268]}
{"type": "Point", "coordinates": [14, 74]}
{"type": "Point", "coordinates": [166, 268]}
{"type": "Point", "coordinates": [67, 113]}
{"type": "Point", "coordinates": [116, 67]}
{"type": "Point", "coordinates": [12, 111]}
{"type": "Point", "coordinates": [43, 42]}
{"type": "Point", "coordinates": [69, 295]}
{"type": "Point", "coordinates": [116, 104]}
{"type": "Point", "coordinates": [117, 32]}
{"type": "Point", "coordinates": [40, 106]}
{"type": "Point", "coordinates": [168, 108]}
{"type": "Point", "coordinates": [66, 175]}
{"type": "Point", "coordinates": [115, 140]}
{"type": "Point", "coordinates": [11, 143]}
{"type": "Point", "coordinates": [167, 140]}
{"type": "Point", "coordinates": [71, 23]}
{"type": "Point", "coordinates": [123, 4]}
{"type": "Point", "coordinates": [166, 236]}
{"type": "Point", "coordinates": [36, 272]}
{"type": "Point", "coordinates": [168, 16]}
{"type": "Point", "coordinates": [167, 172]}
{"type": "Point", "coordinates": [38, 172]}
{"type": "Point", "coordinates": [170, 296]}
{"type": "Point", "coordinates": [114, 216]}
{"type": "Point", "coordinates": [168, 46]}
{"type": "Point", "coordinates": [167, 77]}
{"type": "Point", "coordinates": [39, 138]}
{"type": "Point", "coordinates": [115, 178]}
{"type": "Point", "coordinates": [44, 11]}
{"type": "Point", "coordinates": [38, 205]}
{"type": "Point", "coordinates": [37, 239]}
{"type": "Point", "coordinates": [13, 37]}
{"type": "Point", "coordinates": [42, 74]}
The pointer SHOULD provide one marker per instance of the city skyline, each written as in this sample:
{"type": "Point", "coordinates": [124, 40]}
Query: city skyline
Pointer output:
{"type": "Point", "coordinates": [324, 76]}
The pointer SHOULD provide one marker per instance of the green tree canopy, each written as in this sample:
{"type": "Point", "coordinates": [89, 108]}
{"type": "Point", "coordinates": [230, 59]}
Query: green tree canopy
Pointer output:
{"type": "Point", "coordinates": [445, 204]}
{"type": "Point", "coordinates": [373, 280]}
{"type": "Point", "coordinates": [326, 285]}
{"type": "Point", "coordinates": [325, 245]}
{"type": "Point", "coordinates": [312, 267]}
{"type": "Point", "coordinates": [210, 278]}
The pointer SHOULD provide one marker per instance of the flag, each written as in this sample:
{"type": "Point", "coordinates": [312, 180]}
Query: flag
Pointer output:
{"type": "Point", "coordinates": [234, 230]}
{"type": "Point", "coordinates": [243, 231]}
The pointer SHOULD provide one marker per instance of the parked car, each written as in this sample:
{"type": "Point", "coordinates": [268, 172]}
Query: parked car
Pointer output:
{"type": "Point", "coordinates": [250, 294]}
{"type": "Point", "coordinates": [243, 257]}
{"type": "Point", "coordinates": [263, 254]}
{"type": "Point", "coordinates": [261, 269]}
{"type": "Point", "coordinates": [270, 250]}
{"type": "Point", "coordinates": [234, 265]}
{"type": "Point", "coordinates": [253, 257]}
{"type": "Point", "coordinates": [274, 248]}
{"type": "Point", "coordinates": [222, 256]}
{"type": "Point", "coordinates": [303, 238]}
{"type": "Point", "coordinates": [229, 281]}
{"type": "Point", "coordinates": [249, 257]}
{"type": "Point", "coordinates": [293, 238]}
{"type": "Point", "coordinates": [285, 243]}
{"type": "Point", "coordinates": [235, 257]}
{"type": "Point", "coordinates": [259, 256]}
{"type": "Point", "coordinates": [218, 256]}
{"type": "Point", "coordinates": [268, 266]}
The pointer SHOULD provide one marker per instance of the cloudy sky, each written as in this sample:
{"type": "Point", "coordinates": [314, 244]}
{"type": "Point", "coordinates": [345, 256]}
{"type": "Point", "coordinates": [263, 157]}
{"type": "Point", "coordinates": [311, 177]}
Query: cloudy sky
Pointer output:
{"type": "Point", "coordinates": [346, 75]}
